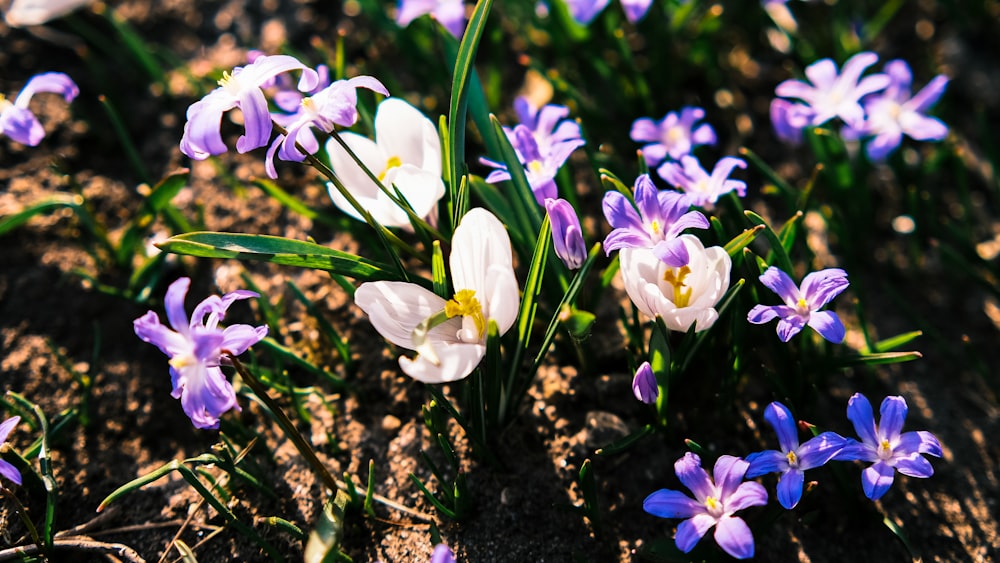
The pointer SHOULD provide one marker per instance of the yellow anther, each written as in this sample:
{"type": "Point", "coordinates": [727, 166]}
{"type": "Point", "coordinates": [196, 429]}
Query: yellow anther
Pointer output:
{"type": "Point", "coordinates": [535, 166]}
{"type": "Point", "coordinates": [179, 362]}
{"type": "Point", "coordinates": [393, 162]}
{"type": "Point", "coordinates": [711, 503]}
{"type": "Point", "coordinates": [227, 79]}
{"type": "Point", "coordinates": [465, 304]}
{"type": "Point", "coordinates": [801, 304]}
{"type": "Point", "coordinates": [674, 134]}
{"type": "Point", "coordinates": [655, 227]}
{"type": "Point", "coordinates": [675, 277]}
{"type": "Point", "coordinates": [792, 458]}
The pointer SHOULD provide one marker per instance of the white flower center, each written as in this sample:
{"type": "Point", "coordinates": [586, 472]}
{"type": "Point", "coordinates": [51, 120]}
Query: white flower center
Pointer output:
{"type": "Point", "coordinates": [230, 83]}
{"type": "Point", "coordinates": [714, 506]}
{"type": "Point", "coordinates": [885, 450]}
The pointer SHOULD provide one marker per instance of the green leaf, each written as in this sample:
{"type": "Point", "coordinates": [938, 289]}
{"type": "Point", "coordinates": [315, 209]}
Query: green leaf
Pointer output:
{"type": "Point", "coordinates": [778, 255]}
{"type": "Point", "coordinates": [158, 199]}
{"type": "Point", "coordinates": [896, 341]}
{"type": "Point", "coordinates": [458, 107]}
{"type": "Point", "coordinates": [277, 250]}
{"type": "Point", "coordinates": [57, 201]}
{"type": "Point", "coordinates": [876, 359]}
{"type": "Point", "coordinates": [324, 539]}
{"type": "Point", "coordinates": [740, 241]}
{"type": "Point", "coordinates": [624, 444]}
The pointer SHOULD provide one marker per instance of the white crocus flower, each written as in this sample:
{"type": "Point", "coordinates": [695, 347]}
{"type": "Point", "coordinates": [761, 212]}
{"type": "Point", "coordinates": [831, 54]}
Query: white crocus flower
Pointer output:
{"type": "Point", "coordinates": [682, 296]}
{"type": "Point", "coordinates": [450, 336]}
{"type": "Point", "coordinates": [406, 153]}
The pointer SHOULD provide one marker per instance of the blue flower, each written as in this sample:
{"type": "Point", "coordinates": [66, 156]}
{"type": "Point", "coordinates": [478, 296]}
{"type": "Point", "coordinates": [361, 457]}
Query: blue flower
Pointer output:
{"type": "Point", "coordinates": [884, 444]}
{"type": "Point", "coordinates": [660, 219]}
{"type": "Point", "coordinates": [197, 347]}
{"type": "Point", "coordinates": [442, 554]}
{"type": "Point", "coordinates": [567, 235]}
{"type": "Point", "coordinates": [714, 504]}
{"type": "Point", "coordinates": [802, 307]}
{"type": "Point", "coordinates": [794, 458]}
{"type": "Point", "coordinates": [17, 121]}
{"type": "Point", "coordinates": [6, 469]}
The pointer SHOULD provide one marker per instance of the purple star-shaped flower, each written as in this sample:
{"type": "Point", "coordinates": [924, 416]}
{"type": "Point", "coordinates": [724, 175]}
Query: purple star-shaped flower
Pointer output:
{"type": "Point", "coordinates": [714, 504]}
{"type": "Point", "coordinates": [17, 121]}
{"type": "Point", "coordinates": [830, 94]}
{"type": "Point", "coordinates": [895, 113]}
{"type": "Point", "coordinates": [701, 188]}
{"type": "Point", "coordinates": [7, 470]}
{"type": "Point", "coordinates": [793, 459]}
{"type": "Point", "coordinates": [334, 105]}
{"type": "Point", "coordinates": [789, 119]}
{"type": "Point", "coordinates": [239, 89]}
{"type": "Point", "coordinates": [197, 347]}
{"type": "Point", "coordinates": [567, 235]}
{"type": "Point", "coordinates": [661, 217]}
{"type": "Point", "coordinates": [539, 167]}
{"type": "Point", "coordinates": [549, 124]}
{"type": "Point", "coordinates": [802, 307]}
{"type": "Point", "coordinates": [884, 444]}
{"type": "Point", "coordinates": [675, 135]}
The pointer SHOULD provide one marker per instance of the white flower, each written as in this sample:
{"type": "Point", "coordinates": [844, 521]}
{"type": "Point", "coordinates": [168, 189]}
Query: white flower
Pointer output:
{"type": "Point", "coordinates": [681, 296]}
{"type": "Point", "coordinates": [450, 336]}
{"type": "Point", "coordinates": [406, 153]}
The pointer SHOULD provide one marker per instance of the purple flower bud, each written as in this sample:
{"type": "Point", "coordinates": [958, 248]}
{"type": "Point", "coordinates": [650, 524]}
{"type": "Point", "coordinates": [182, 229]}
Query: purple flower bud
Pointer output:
{"type": "Point", "coordinates": [567, 236]}
{"type": "Point", "coordinates": [644, 384]}
{"type": "Point", "coordinates": [7, 470]}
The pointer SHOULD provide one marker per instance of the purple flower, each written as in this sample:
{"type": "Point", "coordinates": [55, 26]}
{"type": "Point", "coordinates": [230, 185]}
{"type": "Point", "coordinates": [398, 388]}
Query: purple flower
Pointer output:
{"type": "Point", "coordinates": [334, 105]}
{"type": "Point", "coordinates": [6, 469]}
{"type": "Point", "coordinates": [239, 89]}
{"type": "Point", "coordinates": [549, 125]}
{"type": "Point", "coordinates": [660, 218]}
{"type": "Point", "coordinates": [17, 121]}
{"type": "Point", "coordinates": [197, 348]}
{"type": "Point", "coordinates": [801, 307]}
{"type": "Point", "coordinates": [883, 444]}
{"type": "Point", "coordinates": [829, 94]}
{"type": "Point", "coordinates": [895, 113]}
{"type": "Point", "coordinates": [635, 10]}
{"type": "Point", "coordinates": [703, 190]}
{"type": "Point", "coordinates": [442, 554]}
{"type": "Point", "coordinates": [793, 459]}
{"type": "Point", "coordinates": [644, 384]}
{"type": "Point", "coordinates": [584, 11]}
{"type": "Point", "coordinates": [451, 13]}
{"type": "Point", "coordinates": [713, 505]}
{"type": "Point", "coordinates": [543, 142]}
{"type": "Point", "coordinates": [675, 135]}
{"type": "Point", "coordinates": [286, 94]}
{"type": "Point", "coordinates": [567, 236]}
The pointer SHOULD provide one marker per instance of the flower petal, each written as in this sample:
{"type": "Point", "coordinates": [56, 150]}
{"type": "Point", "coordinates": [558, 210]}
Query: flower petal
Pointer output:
{"type": "Point", "coordinates": [396, 308]}
{"type": "Point", "coordinates": [479, 241]}
{"type": "Point", "coordinates": [747, 494]}
{"type": "Point", "coordinates": [778, 281]}
{"type": "Point", "coordinates": [914, 465]}
{"type": "Point", "coordinates": [859, 412]}
{"type": "Point", "coordinates": [256, 120]}
{"type": "Point", "coordinates": [892, 416]}
{"type": "Point", "coordinates": [818, 288]}
{"type": "Point", "coordinates": [457, 360]}
{"type": "Point", "coordinates": [734, 537]}
{"type": "Point", "coordinates": [920, 441]}
{"type": "Point", "coordinates": [10, 472]}
{"type": "Point", "coordinates": [7, 426]}
{"type": "Point", "coordinates": [789, 488]}
{"type": "Point", "coordinates": [767, 461]}
{"type": "Point", "coordinates": [667, 503]}
{"type": "Point", "coordinates": [820, 449]}
{"type": "Point", "coordinates": [728, 472]}
{"type": "Point", "coordinates": [694, 477]}
{"type": "Point", "coordinates": [828, 325]}
{"type": "Point", "coordinates": [692, 530]}
{"type": "Point", "coordinates": [173, 302]}
{"type": "Point", "coordinates": [781, 419]}
{"type": "Point", "coordinates": [877, 479]}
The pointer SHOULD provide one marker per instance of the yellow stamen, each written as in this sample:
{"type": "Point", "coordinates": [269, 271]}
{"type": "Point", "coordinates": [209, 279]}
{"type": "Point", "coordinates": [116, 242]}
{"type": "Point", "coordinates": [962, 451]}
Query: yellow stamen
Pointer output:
{"type": "Point", "coordinates": [465, 304]}
{"type": "Point", "coordinates": [792, 458]}
{"type": "Point", "coordinates": [801, 304]}
{"type": "Point", "coordinates": [393, 162]}
{"type": "Point", "coordinates": [675, 277]}
{"type": "Point", "coordinates": [227, 79]}
{"type": "Point", "coordinates": [712, 503]}
{"type": "Point", "coordinates": [655, 226]}
{"type": "Point", "coordinates": [179, 362]}
{"type": "Point", "coordinates": [535, 167]}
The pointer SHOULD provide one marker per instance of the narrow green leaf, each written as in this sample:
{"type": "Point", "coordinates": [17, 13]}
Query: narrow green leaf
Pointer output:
{"type": "Point", "coordinates": [624, 444]}
{"type": "Point", "coordinates": [57, 201]}
{"type": "Point", "coordinates": [277, 250]}
{"type": "Point", "coordinates": [287, 354]}
{"type": "Point", "coordinates": [187, 554]}
{"type": "Point", "coordinates": [876, 359]}
{"type": "Point", "coordinates": [325, 537]}
{"type": "Point", "coordinates": [293, 203]}
{"type": "Point", "coordinates": [778, 256]}
{"type": "Point", "coordinates": [740, 241]}
{"type": "Point", "coordinates": [894, 342]}
{"type": "Point", "coordinates": [438, 271]}
{"type": "Point", "coordinates": [158, 199]}
{"type": "Point", "coordinates": [527, 214]}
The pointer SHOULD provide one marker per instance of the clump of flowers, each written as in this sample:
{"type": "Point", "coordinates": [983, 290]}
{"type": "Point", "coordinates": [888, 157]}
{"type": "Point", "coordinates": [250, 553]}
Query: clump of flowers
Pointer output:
{"type": "Point", "coordinates": [16, 119]}
{"type": "Point", "coordinates": [714, 504]}
{"type": "Point", "coordinates": [197, 347]}
{"type": "Point", "coordinates": [802, 306]}
{"type": "Point", "coordinates": [886, 445]}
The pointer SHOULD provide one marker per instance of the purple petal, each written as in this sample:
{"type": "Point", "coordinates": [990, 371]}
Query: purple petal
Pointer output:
{"type": "Point", "coordinates": [828, 325]}
{"type": "Point", "coordinates": [818, 288]}
{"type": "Point", "coordinates": [778, 281]}
{"type": "Point", "coordinates": [914, 466]}
{"type": "Point", "coordinates": [704, 135]}
{"type": "Point", "coordinates": [823, 73]}
{"type": "Point", "coordinates": [644, 130]}
{"type": "Point", "coordinates": [256, 120]}
{"type": "Point", "coordinates": [237, 338]}
{"type": "Point", "coordinates": [767, 461]}
{"type": "Point", "coordinates": [781, 419]}
{"type": "Point", "coordinates": [859, 412]}
{"type": "Point", "coordinates": [820, 449]}
{"type": "Point", "coordinates": [883, 144]}
{"type": "Point", "coordinates": [202, 137]}
{"type": "Point", "coordinates": [690, 220]}
{"type": "Point", "coordinates": [923, 128]}
{"type": "Point", "coordinates": [54, 82]}
{"type": "Point", "coordinates": [22, 126]}
{"type": "Point", "coordinates": [728, 472]}
{"type": "Point", "coordinates": [173, 302]}
{"type": "Point", "coordinates": [269, 168]}
{"type": "Point", "coordinates": [856, 65]}
{"type": "Point", "coordinates": [635, 10]}
{"type": "Point", "coordinates": [690, 531]}
{"type": "Point", "coordinates": [892, 416]}
{"type": "Point", "coordinates": [647, 198]}
{"type": "Point", "coordinates": [761, 314]}
{"type": "Point", "coordinates": [789, 327]}
{"type": "Point", "coordinates": [877, 479]}
{"type": "Point", "coordinates": [10, 472]}
{"type": "Point", "coordinates": [856, 451]}
{"type": "Point", "coordinates": [734, 537]}
{"type": "Point", "coordinates": [667, 503]}
{"type": "Point", "coordinates": [653, 154]}
{"type": "Point", "coordinates": [789, 488]}
{"type": "Point", "coordinates": [369, 82]}
{"type": "Point", "coordinates": [619, 212]}
{"type": "Point", "coordinates": [567, 236]}
{"type": "Point", "coordinates": [746, 495]}
{"type": "Point", "coordinates": [920, 441]}
{"type": "Point", "coordinates": [928, 95]}
{"type": "Point", "coordinates": [442, 554]}
{"type": "Point", "coordinates": [691, 474]}
{"type": "Point", "coordinates": [644, 386]}
{"type": "Point", "coordinates": [673, 252]}
{"type": "Point", "coordinates": [149, 329]}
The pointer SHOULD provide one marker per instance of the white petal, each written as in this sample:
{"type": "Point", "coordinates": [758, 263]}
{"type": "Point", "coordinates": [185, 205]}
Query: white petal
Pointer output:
{"type": "Point", "coordinates": [422, 190]}
{"type": "Point", "coordinates": [502, 298]}
{"type": "Point", "coordinates": [350, 174]}
{"type": "Point", "coordinates": [402, 131]}
{"type": "Point", "coordinates": [457, 360]}
{"type": "Point", "coordinates": [480, 241]}
{"type": "Point", "coordinates": [34, 12]}
{"type": "Point", "coordinates": [396, 308]}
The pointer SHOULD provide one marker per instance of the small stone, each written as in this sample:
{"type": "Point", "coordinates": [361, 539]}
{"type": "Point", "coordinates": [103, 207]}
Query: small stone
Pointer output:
{"type": "Point", "coordinates": [391, 423]}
